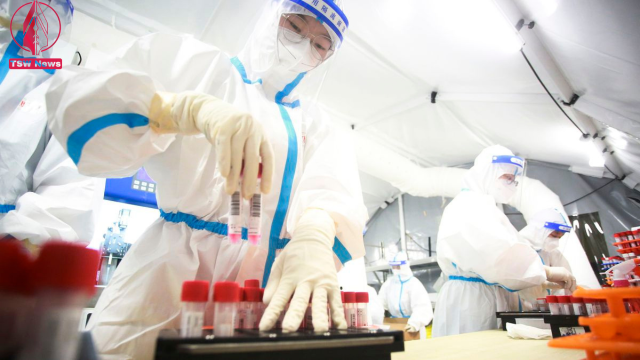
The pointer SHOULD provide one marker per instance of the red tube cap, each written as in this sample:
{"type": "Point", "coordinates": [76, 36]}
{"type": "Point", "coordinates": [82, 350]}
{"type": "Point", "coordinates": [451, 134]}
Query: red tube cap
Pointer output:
{"type": "Point", "coordinates": [252, 294]}
{"type": "Point", "coordinates": [362, 297]}
{"type": "Point", "coordinates": [564, 299]}
{"type": "Point", "coordinates": [15, 265]}
{"type": "Point", "coordinates": [552, 299]}
{"type": "Point", "coordinates": [577, 299]}
{"type": "Point", "coordinates": [252, 283]}
{"type": "Point", "coordinates": [226, 291]}
{"type": "Point", "coordinates": [66, 266]}
{"type": "Point", "coordinates": [349, 297]}
{"type": "Point", "coordinates": [342, 296]}
{"type": "Point", "coordinates": [195, 291]}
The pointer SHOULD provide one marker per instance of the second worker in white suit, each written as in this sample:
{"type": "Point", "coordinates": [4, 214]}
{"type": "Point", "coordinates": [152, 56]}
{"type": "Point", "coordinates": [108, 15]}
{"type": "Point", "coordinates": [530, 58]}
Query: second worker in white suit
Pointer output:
{"type": "Point", "coordinates": [404, 296]}
{"type": "Point", "coordinates": [481, 253]}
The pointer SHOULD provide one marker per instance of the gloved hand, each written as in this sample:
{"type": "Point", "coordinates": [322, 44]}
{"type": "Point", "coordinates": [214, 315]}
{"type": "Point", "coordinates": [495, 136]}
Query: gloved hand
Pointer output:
{"type": "Point", "coordinates": [552, 286]}
{"type": "Point", "coordinates": [305, 265]}
{"type": "Point", "coordinates": [235, 135]}
{"type": "Point", "coordinates": [561, 275]}
{"type": "Point", "coordinates": [410, 328]}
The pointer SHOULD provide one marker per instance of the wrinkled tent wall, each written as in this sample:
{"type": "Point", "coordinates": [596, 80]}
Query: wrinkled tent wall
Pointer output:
{"type": "Point", "coordinates": [616, 211]}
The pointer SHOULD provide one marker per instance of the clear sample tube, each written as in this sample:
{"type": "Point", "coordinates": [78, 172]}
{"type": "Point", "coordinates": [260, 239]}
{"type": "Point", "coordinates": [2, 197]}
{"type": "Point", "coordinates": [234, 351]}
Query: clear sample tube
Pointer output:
{"type": "Point", "coordinates": [554, 306]}
{"type": "Point", "coordinates": [578, 306]}
{"type": "Point", "coordinates": [195, 295]}
{"type": "Point", "coordinates": [226, 296]}
{"type": "Point", "coordinates": [566, 308]}
{"type": "Point", "coordinates": [235, 216]}
{"type": "Point", "coordinates": [241, 315]}
{"type": "Point", "coordinates": [255, 213]}
{"type": "Point", "coordinates": [589, 306]}
{"type": "Point", "coordinates": [362, 304]}
{"type": "Point", "coordinates": [62, 288]}
{"type": "Point", "coordinates": [350, 309]}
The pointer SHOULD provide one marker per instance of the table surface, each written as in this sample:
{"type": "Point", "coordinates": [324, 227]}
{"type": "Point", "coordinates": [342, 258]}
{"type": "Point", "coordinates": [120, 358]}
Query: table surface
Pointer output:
{"type": "Point", "coordinates": [491, 345]}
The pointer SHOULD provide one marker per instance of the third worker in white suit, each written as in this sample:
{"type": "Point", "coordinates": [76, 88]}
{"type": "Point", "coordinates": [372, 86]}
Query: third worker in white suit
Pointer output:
{"type": "Point", "coordinates": [481, 253]}
{"type": "Point", "coordinates": [404, 296]}
{"type": "Point", "coordinates": [193, 115]}
{"type": "Point", "coordinates": [544, 232]}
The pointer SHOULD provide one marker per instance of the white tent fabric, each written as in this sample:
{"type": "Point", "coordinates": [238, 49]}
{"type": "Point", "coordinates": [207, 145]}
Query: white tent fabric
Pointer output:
{"type": "Point", "coordinates": [398, 52]}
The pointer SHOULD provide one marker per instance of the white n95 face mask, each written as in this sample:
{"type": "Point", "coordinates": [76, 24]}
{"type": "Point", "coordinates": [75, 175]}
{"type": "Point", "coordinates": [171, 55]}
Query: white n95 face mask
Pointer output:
{"type": "Point", "coordinates": [396, 272]}
{"type": "Point", "coordinates": [502, 191]}
{"type": "Point", "coordinates": [551, 244]}
{"type": "Point", "coordinates": [295, 56]}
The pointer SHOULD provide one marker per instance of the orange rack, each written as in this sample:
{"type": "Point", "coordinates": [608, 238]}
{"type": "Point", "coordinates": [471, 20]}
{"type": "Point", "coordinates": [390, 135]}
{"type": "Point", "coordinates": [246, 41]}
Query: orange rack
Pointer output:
{"type": "Point", "coordinates": [615, 335]}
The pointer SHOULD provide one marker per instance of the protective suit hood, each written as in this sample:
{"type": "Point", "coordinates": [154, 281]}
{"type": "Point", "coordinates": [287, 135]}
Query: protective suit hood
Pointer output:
{"type": "Point", "coordinates": [488, 167]}
{"type": "Point", "coordinates": [541, 226]}
{"type": "Point", "coordinates": [280, 65]}
{"type": "Point", "coordinates": [405, 273]}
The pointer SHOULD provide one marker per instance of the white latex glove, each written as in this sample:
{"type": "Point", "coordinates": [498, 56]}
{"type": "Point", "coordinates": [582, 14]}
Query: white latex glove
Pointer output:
{"type": "Point", "coordinates": [235, 135]}
{"type": "Point", "coordinates": [561, 275]}
{"type": "Point", "coordinates": [552, 286]}
{"type": "Point", "coordinates": [410, 328]}
{"type": "Point", "coordinates": [305, 266]}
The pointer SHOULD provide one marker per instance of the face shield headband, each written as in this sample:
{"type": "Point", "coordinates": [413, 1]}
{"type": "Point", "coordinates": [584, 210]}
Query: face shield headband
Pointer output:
{"type": "Point", "coordinates": [327, 13]}
{"type": "Point", "coordinates": [557, 227]}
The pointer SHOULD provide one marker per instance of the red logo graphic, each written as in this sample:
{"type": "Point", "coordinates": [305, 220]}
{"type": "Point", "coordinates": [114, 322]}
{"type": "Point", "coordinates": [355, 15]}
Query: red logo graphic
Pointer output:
{"type": "Point", "coordinates": [40, 17]}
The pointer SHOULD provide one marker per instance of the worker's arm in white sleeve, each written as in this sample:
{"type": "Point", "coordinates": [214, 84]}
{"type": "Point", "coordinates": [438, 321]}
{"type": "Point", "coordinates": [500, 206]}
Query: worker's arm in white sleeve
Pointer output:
{"type": "Point", "coordinates": [63, 204]}
{"type": "Point", "coordinates": [330, 182]}
{"type": "Point", "coordinates": [101, 116]}
{"type": "Point", "coordinates": [382, 295]}
{"type": "Point", "coordinates": [484, 245]}
{"type": "Point", "coordinates": [422, 312]}
{"type": "Point", "coordinates": [375, 307]}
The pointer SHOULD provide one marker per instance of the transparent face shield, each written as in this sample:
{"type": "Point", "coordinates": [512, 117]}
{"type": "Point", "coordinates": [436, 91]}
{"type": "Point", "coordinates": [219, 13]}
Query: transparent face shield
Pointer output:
{"type": "Point", "coordinates": [508, 182]}
{"type": "Point", "coordinates": [296, 40]}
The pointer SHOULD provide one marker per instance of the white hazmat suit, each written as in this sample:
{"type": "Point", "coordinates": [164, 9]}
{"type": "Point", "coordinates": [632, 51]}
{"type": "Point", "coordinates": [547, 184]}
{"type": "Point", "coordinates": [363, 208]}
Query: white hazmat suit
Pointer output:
{"type": "Point", "coordinates": [42, 195]}
{"type": "Point", "coordinates": [101, 117]}
{"type": "Point", "coordinates": [404, 296]}
{"type": "Point", "coordinates": [538, 232]}
{"type": "Point", "coordinates": [480, 251]}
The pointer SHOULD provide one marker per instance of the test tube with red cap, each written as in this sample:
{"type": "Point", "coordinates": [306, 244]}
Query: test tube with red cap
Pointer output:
{"type": "Point", "coordinates": [252, 302]}
{"type": "Point", "coordinates": [554, 306]}
{"type": "Point", "coordinates": [255, 213]}
{"type": "Point", "coordinates": [566, 307]}
{"type": "Point", "coordinates": [362, 315]}
{"type": "Point", "coordinates": [578, 306]}
{"type": "Point", "coordinates": [16, 295]}
{"type": "Point", "coordinates": [195, 295]}
{"type": "Point", "coordinates": [226, 296]}
{"type": "Point", "coordinates": [350, 309]}
{"type": "Point", "coordinates": [64, 278]}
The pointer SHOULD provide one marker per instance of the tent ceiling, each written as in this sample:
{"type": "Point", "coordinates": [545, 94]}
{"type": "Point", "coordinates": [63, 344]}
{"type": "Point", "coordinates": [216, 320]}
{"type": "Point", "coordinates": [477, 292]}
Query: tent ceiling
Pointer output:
{"type": "Point", "coordinates": [397, 53]}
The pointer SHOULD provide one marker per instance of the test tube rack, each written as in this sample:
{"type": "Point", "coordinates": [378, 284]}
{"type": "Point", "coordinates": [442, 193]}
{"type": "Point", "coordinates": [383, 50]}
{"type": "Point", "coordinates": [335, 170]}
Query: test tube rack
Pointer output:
{"type": "Point", "coordinates": [615, 335]}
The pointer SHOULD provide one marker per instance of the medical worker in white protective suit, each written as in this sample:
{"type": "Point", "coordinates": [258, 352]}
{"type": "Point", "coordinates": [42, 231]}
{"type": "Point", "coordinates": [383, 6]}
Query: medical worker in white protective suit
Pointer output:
{"type": "Point", "coordinates": [42, 195]}
{"type": "Point", "coordinates": [544, 232]}
{"type": "Point", "coordinates": [192, 115]}
{"type": "Point", "coordinates": [404, 296]}
{"type": "Point", "coordinates": [482, 254]}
